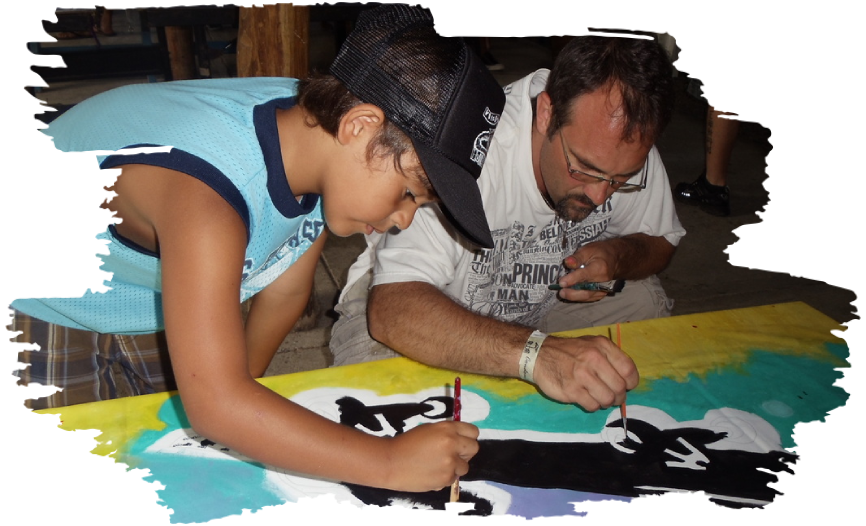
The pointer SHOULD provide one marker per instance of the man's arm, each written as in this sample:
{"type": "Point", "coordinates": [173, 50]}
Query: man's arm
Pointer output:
{"type": "Point", "coordinates": [635, 256]}
{"type": "Point", "coordinates": [421, 322]}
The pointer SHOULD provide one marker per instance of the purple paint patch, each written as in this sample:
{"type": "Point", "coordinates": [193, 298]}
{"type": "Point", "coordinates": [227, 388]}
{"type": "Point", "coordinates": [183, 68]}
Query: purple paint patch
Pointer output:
{"type": "Point", "coordinates": [535, 502]}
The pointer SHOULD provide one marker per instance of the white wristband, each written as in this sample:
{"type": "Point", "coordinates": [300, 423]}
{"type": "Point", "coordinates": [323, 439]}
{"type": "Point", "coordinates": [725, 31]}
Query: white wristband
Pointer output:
{"type": "Point", "coordinates": [526, 367]}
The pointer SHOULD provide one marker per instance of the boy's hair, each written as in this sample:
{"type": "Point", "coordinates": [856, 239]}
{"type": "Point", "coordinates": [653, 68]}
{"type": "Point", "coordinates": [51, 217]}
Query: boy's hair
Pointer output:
{"type": "Point", "coordinates": [638, 67]}
{"type": "Point", "coordinates": [326, 100]}
{"type": "Point", "coordinates": [436, 91]}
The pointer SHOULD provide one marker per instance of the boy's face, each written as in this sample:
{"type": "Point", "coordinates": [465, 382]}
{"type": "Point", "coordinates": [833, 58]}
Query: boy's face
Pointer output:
{"type": "Point", "coordinates": [376, 196]}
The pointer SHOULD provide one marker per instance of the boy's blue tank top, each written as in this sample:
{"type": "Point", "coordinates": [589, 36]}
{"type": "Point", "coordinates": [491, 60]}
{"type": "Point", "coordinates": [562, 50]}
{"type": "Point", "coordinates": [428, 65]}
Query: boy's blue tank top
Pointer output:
{"type": "Point", "coordinates": [222, 132]}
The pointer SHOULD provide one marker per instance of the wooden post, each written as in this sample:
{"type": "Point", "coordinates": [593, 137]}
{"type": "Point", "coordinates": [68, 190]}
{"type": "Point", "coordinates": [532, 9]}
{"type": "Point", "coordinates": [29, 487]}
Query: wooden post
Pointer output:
{"type": "Point", "coordinates": [273, 41]}
{"type": "Point", "coordinates": [180, 52]}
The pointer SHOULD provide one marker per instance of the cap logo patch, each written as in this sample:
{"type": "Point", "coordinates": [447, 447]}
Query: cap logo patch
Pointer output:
{"type": "Point", "coordinates": [482, 141]}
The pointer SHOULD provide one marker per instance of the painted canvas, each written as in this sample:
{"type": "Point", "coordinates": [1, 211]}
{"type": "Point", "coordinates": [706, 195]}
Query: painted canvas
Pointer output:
{"type": "Point", "coordinates": [719, 397]}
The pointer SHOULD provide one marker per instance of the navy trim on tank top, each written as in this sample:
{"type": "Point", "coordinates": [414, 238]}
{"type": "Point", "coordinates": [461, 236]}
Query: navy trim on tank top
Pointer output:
{"type": "Point", "coordinates": [284, 200]}
{"type": "Point", "coordinates": [189, 164]}
{"type": "Point", "coordinates": [130, 243]}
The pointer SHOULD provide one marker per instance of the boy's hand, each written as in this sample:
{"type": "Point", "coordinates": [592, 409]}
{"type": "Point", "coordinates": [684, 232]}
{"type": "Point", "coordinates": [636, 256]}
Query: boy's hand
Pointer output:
{"type": "Point", "coordinates": [431, 456]}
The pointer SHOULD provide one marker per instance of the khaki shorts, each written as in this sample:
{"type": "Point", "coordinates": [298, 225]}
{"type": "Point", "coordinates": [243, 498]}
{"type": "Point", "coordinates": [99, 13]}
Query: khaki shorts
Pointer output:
{"type": "Point", "coordinates": [350, 340]}
{"type": "Point", "coordinates": [642, 299]}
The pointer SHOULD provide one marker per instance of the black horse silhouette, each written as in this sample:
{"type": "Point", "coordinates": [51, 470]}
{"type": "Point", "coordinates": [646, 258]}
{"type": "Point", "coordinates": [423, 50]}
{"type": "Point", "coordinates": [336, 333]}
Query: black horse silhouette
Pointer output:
{"type": "Point", "coordinates": [353, 412]}
{"type": "Point", "coordinates": [654, 462]}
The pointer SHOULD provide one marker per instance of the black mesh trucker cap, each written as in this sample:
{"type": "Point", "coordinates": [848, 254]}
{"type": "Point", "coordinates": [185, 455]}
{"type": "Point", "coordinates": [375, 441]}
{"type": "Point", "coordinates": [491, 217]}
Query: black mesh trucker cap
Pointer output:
{"type": "Point", "coordinates": [437, 92]}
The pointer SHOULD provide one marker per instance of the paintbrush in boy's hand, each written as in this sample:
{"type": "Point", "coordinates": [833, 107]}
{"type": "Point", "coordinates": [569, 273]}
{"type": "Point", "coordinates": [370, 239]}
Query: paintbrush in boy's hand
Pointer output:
{"type": "Point", "coordinates": [455, 487]}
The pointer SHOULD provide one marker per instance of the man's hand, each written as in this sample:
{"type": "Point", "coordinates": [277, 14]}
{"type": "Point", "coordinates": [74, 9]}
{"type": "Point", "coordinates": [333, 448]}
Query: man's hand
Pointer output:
{"type": "Point", "coordinates": [591, 263]}
{"type": "Point", "coordinates": [635, 256]}
{"type": "Point", "coordinates": [590, 371]}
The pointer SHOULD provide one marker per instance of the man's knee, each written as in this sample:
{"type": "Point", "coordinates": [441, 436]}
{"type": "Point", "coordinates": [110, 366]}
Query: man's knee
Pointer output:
{"type": "Point", "coordinates": [350, 339]}
{"type": "Point", "coordinates": [639, 300]}
{"type": "Point", "coordinates": [351, 342]}
{"type": "Point", "coordinates": [648, 300]}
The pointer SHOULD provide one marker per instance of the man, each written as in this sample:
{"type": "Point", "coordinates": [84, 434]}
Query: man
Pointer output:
{"type": "Point", "coordinates": [574, 191]}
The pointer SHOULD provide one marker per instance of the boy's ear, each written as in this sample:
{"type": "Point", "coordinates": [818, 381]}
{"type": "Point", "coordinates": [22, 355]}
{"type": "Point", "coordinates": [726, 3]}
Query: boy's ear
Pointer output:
{"type": "Point", "coordinates": [543, 112]}
{"type": "Point", "coordinates": [363, 119]}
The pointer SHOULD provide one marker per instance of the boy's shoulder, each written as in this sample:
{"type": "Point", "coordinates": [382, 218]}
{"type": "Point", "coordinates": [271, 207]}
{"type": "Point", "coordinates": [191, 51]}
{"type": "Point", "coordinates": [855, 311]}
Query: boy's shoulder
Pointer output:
{"type": "Point", "coordinates": [267, 86]}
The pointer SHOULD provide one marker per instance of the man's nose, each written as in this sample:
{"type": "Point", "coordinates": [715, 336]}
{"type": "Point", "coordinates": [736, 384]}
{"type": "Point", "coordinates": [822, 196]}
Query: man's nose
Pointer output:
{"type": "Point", "coordinates": [598, 192]}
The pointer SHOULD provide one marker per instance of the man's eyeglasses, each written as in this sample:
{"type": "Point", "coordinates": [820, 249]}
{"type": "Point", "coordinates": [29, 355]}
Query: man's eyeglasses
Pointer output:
{"type": "Point", "coordinates": [618, 186]}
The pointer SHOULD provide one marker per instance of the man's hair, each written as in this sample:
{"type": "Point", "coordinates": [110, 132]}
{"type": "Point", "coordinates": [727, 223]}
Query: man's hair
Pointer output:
{"type": "Point", "coordinates": [640, 68]}
{"type": "Point", "coordinates": [326, 100]}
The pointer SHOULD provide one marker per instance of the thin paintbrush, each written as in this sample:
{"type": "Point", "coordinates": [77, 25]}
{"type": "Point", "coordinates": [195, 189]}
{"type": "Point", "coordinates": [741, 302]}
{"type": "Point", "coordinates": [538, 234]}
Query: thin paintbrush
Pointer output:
{"type": "Point", "coordinates": [455, 487]}
{"type": "Point", "coordinates": [622, 406]}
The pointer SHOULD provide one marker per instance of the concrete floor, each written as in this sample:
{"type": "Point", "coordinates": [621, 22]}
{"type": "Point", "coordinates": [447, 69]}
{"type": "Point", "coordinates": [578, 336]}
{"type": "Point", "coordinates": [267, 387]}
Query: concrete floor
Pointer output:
{"type": "Point", "coordinates": [699, 278]}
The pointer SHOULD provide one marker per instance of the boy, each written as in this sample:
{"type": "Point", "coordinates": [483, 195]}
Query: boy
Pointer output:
{"type": "Point", "coordinates": [233, 211]}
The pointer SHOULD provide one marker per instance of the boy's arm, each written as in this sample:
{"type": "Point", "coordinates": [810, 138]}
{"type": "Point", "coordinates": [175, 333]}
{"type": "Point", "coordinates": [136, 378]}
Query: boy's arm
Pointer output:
{"type": "Point", "coordinates": [275, 310]}
{"type": "Point", "coordinates": [202, 242]}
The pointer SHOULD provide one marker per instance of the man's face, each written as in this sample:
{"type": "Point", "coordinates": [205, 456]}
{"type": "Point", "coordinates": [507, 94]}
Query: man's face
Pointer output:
{"type": "Point", "coordinates": [592, 141]}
